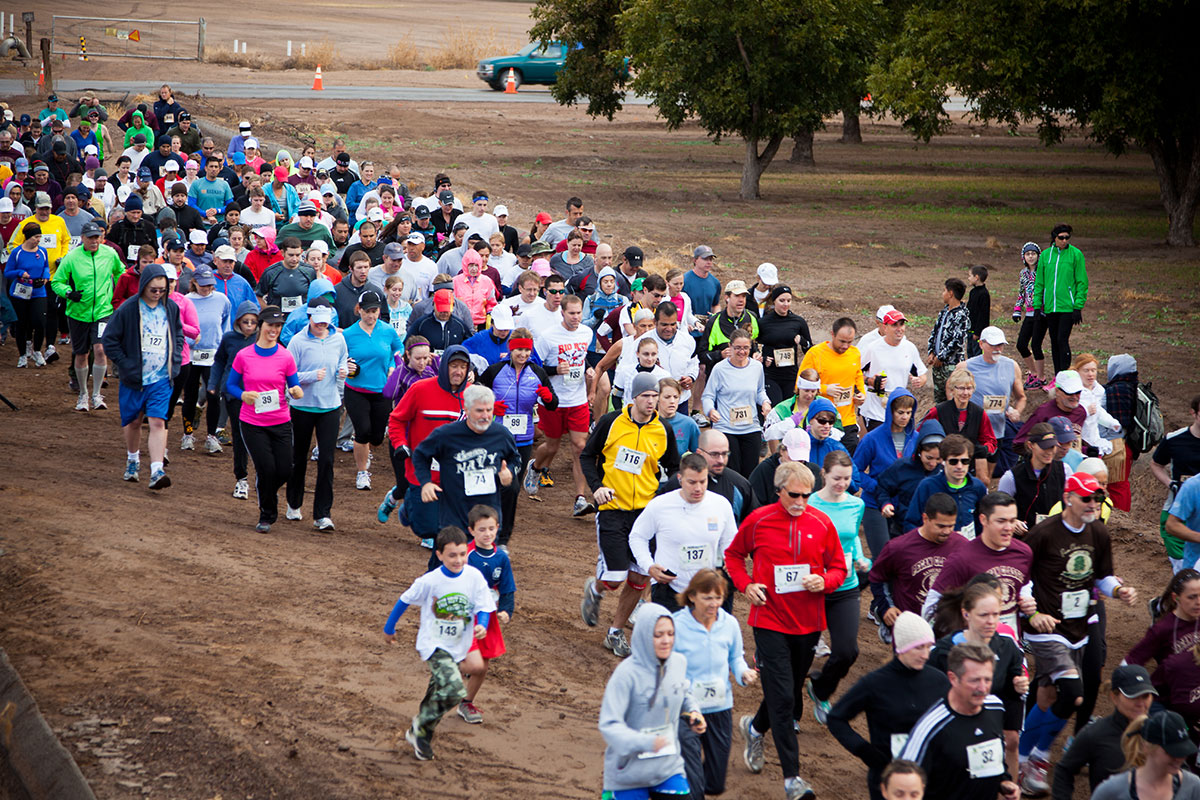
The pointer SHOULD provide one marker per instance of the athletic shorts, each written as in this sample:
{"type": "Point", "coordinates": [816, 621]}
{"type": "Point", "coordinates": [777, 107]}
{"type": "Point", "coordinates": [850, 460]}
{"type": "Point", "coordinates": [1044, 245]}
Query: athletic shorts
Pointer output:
{"type": "Point", "coordinates": [492, 645]}
{"type": "Point", "coordinates": [1051, 660]}
{"type": "Point", "coordinates": [84, 334]}
{"type": "Point", "coordinates": [555, 423]}
{"type": "Point", "coordinates": [612, 537]}
{"type": "Point", "coordinates": [154, 401]}
{"type": "Point", "coordinates": [676, 785]}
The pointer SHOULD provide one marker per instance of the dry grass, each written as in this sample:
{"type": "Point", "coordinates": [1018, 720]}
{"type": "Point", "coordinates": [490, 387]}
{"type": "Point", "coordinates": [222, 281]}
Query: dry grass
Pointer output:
{"type": "Point", "coordinates": [463, 47]}
{"type": "Point", "coordinates": [460, 48]}
{"type": "Point", "coordinates": [226, 56]}
{"type": "Point", "coordinates": [403, 54]}
{"type": "Point", "coordinates": [316, 54]}
{"type": "Point", "coordinates": [659, 265]}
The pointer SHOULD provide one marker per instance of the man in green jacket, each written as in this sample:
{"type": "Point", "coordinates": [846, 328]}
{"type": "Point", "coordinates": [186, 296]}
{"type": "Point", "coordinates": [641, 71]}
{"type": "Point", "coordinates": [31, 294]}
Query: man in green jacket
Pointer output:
{"type": "Point", "coordinates": [1060, 288]}
{"type": "Point", "coordinates": [86, 278]}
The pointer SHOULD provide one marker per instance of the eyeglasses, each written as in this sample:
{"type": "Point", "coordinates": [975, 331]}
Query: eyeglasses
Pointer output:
{"type": "Point", "coordinates": [720, 456]}
{"type": "Point", "coordinates": [798, 495]}
{"type": "Point", "coordinates": [962, 461]}
{"type": "Point", "coordinates": [824, 420]}
{"type": "Point", "coordinates": [556, 291]}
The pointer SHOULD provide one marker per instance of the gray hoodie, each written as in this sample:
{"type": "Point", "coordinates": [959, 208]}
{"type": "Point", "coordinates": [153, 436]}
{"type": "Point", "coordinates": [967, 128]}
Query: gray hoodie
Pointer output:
{"type": "Point", "coordinates": [312, 354]}
{"type": "Point", "coordinates": [644, 699]}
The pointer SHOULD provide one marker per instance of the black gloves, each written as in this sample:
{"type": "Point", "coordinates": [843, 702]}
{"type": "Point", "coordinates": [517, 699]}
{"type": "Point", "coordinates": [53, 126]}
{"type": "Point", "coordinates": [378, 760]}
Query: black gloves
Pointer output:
{"type": "Point", "coordinates": [1076, 316]}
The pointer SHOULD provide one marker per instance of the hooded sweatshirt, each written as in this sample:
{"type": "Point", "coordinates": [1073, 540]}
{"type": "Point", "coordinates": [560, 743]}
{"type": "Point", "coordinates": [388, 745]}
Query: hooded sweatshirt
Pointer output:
{"type": "Point", "coordinates": [231, 343]}
{"type": "Point", "coordinates": [823, 447]}
{"type": "Point", "coordinates": [965, 496]}
{"type": "Point", "coordinates": [897, 483]}
{"type": "Point", "coordinates": [470, 464]}
{"type": "Point", "coordinates": [213, 313]}
{"type": "Point", "coordinates": [643, 700]}
{"type": "Point", "coordinates": [122, 338]}
{"type": "Point", "coordinates": [257, 260]}
{"type": "Point", "coordinates": [311, 355]}
{"type": "Point", "coordinates": [428, 404]}
{"type": "Point", "coordinates": [877, 450]}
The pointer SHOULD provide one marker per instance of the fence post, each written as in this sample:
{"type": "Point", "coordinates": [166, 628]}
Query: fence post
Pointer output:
{"type": "Point", "coordinates": [49, 65]}
{"type": "Point", "coordinates": [200, 44]}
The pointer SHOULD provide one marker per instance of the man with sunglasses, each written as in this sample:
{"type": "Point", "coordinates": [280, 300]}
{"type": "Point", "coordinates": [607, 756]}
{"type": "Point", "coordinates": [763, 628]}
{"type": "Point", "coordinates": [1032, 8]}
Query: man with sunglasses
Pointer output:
{"type": "Point", "coordinates": [1060, 289]}
{"type": "Point", "coordinates": [797, 559]}
{"type": "Point", "coordinates": [1072, 556]}
{"type": "Point", "coordinates": [1068, 387]}
{"type": "Point", "coordinates": [956, 480]}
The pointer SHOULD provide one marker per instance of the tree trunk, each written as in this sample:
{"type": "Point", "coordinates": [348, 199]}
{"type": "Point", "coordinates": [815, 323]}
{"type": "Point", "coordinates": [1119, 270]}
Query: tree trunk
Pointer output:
{"type": "Point", "coordinates": [755, 164]}
{"type": "Point", "coordinates": [1177, 165]}
{"type": "Point", "coordinates": [851, 131]}
{"type": "Point", "coordinates": [802, 149]}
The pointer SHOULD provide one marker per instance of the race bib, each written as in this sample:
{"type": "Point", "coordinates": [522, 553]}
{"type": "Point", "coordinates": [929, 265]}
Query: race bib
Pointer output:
{"type": "Point", "coordinates": [629, 460]}
{"type": "Point", "coordinates": [574, 374]}
{"type": "Point", "coordinates": [790, 577]}
{"type": "Point", "coordinates": [516, 424]}
{"type": "Point", "coordinates": [994, 402]}
{"type": "Point", "coordinates": [168, 119]}
{"type": "Point", "coordinates": [100, 328]}
{"type": "Point", "coordinates": [479, 481]}
{"type": "Point", "coordinates": [267, 401]}
{"type": "Point", "coordinates": [968, 531]}
{"type": "Point", "coordinates": [75, 242]}
{"type": "Point", "coordinates": [434, 466]}
{"type": "Point", "coordinates": [665, 731]}
{"type": "Point", "coordinates": [1075, 604]}
{"type": "Point", "coordinates": [709, 693]}
{"type": "Point", "coordinates": [448, 631]}
{"type": "Point", "coordinates": [1040, 518]}
{"type": "Point", "coordinates": [131, 252]}
{"type": "Point", "coordinates": [1010, 619]}
{"type": "Point", "coordinates": [22, 291]}
{"type": "Point", "coordinates": [784, 356]}
{"type": "Point", "coordinates": [898, 742]}
{"type": "Point", "coordinates": [695, 556]}
{"type": "Point", "coordinates": [986, 759]}
{"type": "Point", "coordinates": [203, 358]}
{"type": "Point", "coordinates": [155, 343]}
{"type": "Point", "coordinates": [290, 303]}
{"type": "Point", "coordinates": [842, 397]}
{"type": "Point", "coordinates": [49, 241]}
{"type": "Point", "coordinates": [741, 415]}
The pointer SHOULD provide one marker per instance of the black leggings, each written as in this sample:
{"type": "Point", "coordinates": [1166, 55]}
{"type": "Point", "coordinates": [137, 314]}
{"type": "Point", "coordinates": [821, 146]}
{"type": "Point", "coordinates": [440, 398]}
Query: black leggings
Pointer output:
{"type": "Point", "coordinates": [1059, 327]}
{"type": "Point", "coordinates": [777, 391]}
{"type": "Point", "coordinates": [841, 618]}
{"type": "Point", "coordinates": [510, 493]}
{"type": "Point", "coordinates": [1095, 653]}
{"type": "Point", "coordinates": [270, 448]}
{"type": "Point", "coordinates": [197, 377]}
{"type": "Point", "coordinates": [304, 424]}
{"type": "Point", "coordinates": [233, 409]}
{"type": "Point", "coordinates": [1033, 331]}
{"type": "Point", "coordinates": [31, 322]}
{"type": "Point", "coordinates": [368, 412]}
{"type": "Point", "coordinates": [185, 375]}
{"type": "Point", "coordinates": [744, 449]}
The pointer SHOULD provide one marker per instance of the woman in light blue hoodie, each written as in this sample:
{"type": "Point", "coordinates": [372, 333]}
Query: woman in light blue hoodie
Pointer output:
{"type": "Point", "coordinates": [644, 700]}
{"type": "Point", "coordinates": [320, 354]}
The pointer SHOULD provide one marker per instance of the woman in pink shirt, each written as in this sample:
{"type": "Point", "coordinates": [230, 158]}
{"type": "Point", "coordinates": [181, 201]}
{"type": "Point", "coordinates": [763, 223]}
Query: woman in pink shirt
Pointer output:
{"type": "Point", "coordinates": [262, 378]}
{"type": "Point", "coordinates": [477, 291]}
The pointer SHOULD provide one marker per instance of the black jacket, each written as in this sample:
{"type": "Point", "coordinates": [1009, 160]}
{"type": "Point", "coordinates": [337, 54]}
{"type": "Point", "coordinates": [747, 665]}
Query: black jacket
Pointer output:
{"type": "Point", "coordinates": [1097, 747]}
{"type": "Point", "coordinates": [123, 336]}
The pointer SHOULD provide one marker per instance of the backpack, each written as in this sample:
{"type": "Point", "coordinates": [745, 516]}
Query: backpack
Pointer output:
{"type": "Point", "coordinates": [1148, 427]}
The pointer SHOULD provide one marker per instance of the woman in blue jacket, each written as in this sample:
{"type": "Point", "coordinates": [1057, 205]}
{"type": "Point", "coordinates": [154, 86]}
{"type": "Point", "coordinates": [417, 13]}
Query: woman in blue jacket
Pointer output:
{"type": "Point", "coordinates": [894, 487]}
{"type": "Point", "coordinates": [877, 451]}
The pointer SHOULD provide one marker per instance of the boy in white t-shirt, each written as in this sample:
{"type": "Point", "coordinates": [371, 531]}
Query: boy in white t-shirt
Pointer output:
{"type": "Point", "coordinates": [450, 598]}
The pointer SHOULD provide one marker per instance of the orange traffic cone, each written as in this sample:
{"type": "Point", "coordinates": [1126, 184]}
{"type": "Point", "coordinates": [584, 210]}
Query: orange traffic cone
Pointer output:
{"type": "Point", "coordinates": [42, 75]}
{"type": "Point", "coordinates": [511, 87]}
{"type": "Point", "coordinates": [317, 85]}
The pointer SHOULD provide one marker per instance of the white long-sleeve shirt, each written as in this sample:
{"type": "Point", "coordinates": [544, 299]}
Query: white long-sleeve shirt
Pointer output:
{"type": "Point", "coordinates": [1091, 425]}
{"type": "Point", "coordinates": [690, 536]}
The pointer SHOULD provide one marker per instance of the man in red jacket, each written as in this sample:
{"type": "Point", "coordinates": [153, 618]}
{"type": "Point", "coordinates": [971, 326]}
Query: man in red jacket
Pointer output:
{"type": "Point", "coordinates": [427, 405]}
{"type": "Point", "coordinates": [796, 560]}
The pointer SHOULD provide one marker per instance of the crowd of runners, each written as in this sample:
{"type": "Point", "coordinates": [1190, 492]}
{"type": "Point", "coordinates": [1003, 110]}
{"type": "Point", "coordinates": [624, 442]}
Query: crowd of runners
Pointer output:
{"type": "Point", "coordinates": [287, 307]}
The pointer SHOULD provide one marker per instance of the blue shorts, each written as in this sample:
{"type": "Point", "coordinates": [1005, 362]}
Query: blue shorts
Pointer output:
{"type": "Point", "coordinates": [153, 400]}
{"type": "Point", "coordinates": [674, 785]}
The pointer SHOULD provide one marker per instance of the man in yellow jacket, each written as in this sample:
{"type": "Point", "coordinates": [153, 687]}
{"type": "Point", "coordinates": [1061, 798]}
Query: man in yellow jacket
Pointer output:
{"type": "Point", "coordinates": [56, 241]}
{"type": "Point", "coordinates": [621, 463]}
{"type": "Point", "coordinates": [839, 365]}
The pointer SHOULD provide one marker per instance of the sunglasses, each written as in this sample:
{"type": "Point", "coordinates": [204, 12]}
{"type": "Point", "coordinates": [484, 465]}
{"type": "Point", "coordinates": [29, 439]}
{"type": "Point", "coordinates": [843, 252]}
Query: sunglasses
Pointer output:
{"type": "Point", "coordinates": [824, 420]}
{"type": "Point", "coordinates": [1063, 236]}
{"type": "Point", "coordinates": [962, 461]}
{"type": "Point", "coordinates": [556, 291]}
{"type": "Point", "coordinates": [156, 290]}
{"type": "Point", "coordinates": [1097, 497]}
{"type": "Point", "coordinates": [798, 495]}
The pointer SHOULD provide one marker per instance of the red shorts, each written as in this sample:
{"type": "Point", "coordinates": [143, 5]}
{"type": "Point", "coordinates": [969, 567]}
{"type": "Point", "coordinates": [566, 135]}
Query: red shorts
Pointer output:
{"type": "Point", "coordinates": [492, 645]}
{"type": "Point", "coordinates": [562, 419]}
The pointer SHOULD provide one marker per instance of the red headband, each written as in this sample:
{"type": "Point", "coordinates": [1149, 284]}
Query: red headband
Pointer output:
{"type": "Point", "coordinates": [517, 344]}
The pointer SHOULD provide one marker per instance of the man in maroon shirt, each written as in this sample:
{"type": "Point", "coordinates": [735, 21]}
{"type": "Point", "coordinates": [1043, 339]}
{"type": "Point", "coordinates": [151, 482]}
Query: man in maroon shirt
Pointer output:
{"type": "Point", "coordinates": [1065, 403]}
{"type": "Point", "coordinates": [908, 565]}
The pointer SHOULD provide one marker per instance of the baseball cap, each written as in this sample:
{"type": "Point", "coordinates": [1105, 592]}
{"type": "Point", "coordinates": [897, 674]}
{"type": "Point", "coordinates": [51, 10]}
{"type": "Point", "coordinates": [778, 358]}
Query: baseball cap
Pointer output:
{"type": "Point", "coordinates": [59, 147]}
{"type": "Point", "coordinates": [198, 236]}
{"type": "Point", "coordinates": [139, 138]}
{"type": "Point", "coordinates": [894, 316]}
{"type": "Point", "coordinates": [171, 166]}
{"type": "Point", "coordinates": [89, 228]}
{"type": "Point", "coordinates": [540, 267]}
{"type": "Point", "coordinates": [1068, 381]}
{"type": "Point", "coordinates": [460, 226]}
{"type": "Point", "coordinates": [735, 286]}
{"type": "Point", "coordinates": [375, 214]}
{"type": "Point", "coordinates": [174, 243]}
{"type": "Point", "coordinates": [172, 273]}
{"type": "Point", "coordinates": [522, 251]}
{"type": "Point", "coordinates": [1064, 432]}
{"type": "Point", "coordinates": [1168, 730]}
{"type": "Point", "coordinates": [543, 218]}
{"type": "Point", "coordinates": [1082, 484]}
{"type": "Point", "coordinates": [1132, 680]}
{"type": "Point", "coordinates": [395, 249]}
{"type": "Point", "coordinates": [239, 159]}
{"type": "Point", "coordinates": [642, 382]}
{"type": "Point", "coordinates": [502, 319]}
{"type": "Point", "coordinates": [343, 158]}
{"type": "Point", "coordinates": [501, 211]}
{"type": "Point", "coordinates": [203, 276]}
{"type": "Point", "coordinates": [26, 119]}
{"type": "Point", "coordinates": [22, 165]}
{"type": "Point", "coordinates": [798, 444]}
{"type": "Point", "coordinates": [251, 142]}
{"type": "Point", "coordinates": [320, 246]}
{"type": "Point", "coordinates": [6, 205]}
{"type": "Point", "coordinates": [993, 336]}
{"type": "Point", "coordinates": [144, 174]}
{"type": "Point", "coordinates": [42, 200]}
{"type": "Point", "coordinates": [305, 162]}
{"type": "Point", "coordinates": [768, 273]}
{"type": "Point", "coordinates": [320, 314]}
{"type": "Point", "coordinates": [703, 251]}
{"type": "Point", "coordinates": [539, 248]}
{"type": "Point", "coordinates": [445, 197]}
{"type": "Point", "coordinates": [244, 125]}
{"type": "Point", "coordinates": [415, 238]}
{"type": "Point", "coordinates": [328, 189]}
{"type": "Point", "coordinates": [421, 212]}
{"type": "Point", "coordinates": [270, 314]}
{"type": "Point", "coordinates": [369, 299]}
{"type": "Point", "coordinates": [226, 253]}
{"type": "Point", "coordinates": [443, 300]}
{"type": "Point", "coordinates": [634, 256]}
{"type": "Point", "coordinates": [280, 173]}
{"type": "Point", "coordinates": [307, 208]}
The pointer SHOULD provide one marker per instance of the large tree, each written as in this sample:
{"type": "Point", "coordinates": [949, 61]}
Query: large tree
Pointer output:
{"type": "Point", "coordinates": [761, 71]}
{"type": "Point", "coordinates": [1124, 71]}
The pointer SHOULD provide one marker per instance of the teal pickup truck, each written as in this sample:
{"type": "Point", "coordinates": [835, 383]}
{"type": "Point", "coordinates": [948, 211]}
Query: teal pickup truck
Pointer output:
{"type": "Point", "coordinates": [533, 63]}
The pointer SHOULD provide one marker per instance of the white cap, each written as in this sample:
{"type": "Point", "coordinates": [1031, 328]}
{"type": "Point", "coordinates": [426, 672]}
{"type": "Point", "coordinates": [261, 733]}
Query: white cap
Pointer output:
{"type": "Point", "coordinates": [91, 150]}
{"type": "Point", "coordinates": [305, 162]}
{"type": "Point", "coordinates": [6, 205]}
{"type": "Point", "coordinates": [798, 444]}
{"type": "Point", "coordinates": [992, 335]}
{"type": "Point", "coordinates": [415, 238]}
{"type": "Point", "coordinates": [123, 192]}
{"type": "Point", "coordinates": [376, 214]}
{"type": "Point", "coordinates": [226, 253]}
{"type": "Point", "coordinates": [172, 273]}
{"type": "Point", "coordinates": [250, 142]}
{"type": "Point", "coordinates": [882, 311]}
{"type": "Point", "coordinates": [501, 211]}
{"type": "Point", "coordinates": [315, 196]}
{"type": "Point", "coordinates": [1069, 381]}
{"type": "Point", "coordinates": [768, 274]}
{"type": "Point", "coordinates": [319, 245]}
{"type": "Point", "coordinates": [502, 319]}
{"type": "Point", "coordinates": [320, 314]}
{"type": "Point", "coordinates": [88, 182]}
{"type": "Point", "coordinates": [198, 236]}
{"type": "Point", "coordinates": [171, 166]}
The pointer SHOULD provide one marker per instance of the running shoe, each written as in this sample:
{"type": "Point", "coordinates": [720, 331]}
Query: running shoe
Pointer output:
{"type": "Point", "coordinates": [387, 506]}
{"type": "Point", "coordinates": [820, 707]}
{"type": "Point", "coordinates": [223, 436]}
{"type": "Point", "coordinates": [618, 643]}
{"type": "Point", "coordinates": [822, 649]}
{"type": "Point", "coordinates": [1048, 386]}
{"type": "Point", "coordinates": [293, 514]}
{"type": "Point", "coordinates": [468, 711]}
{"type": "Point", "coordinates": [323, 524]}
{"type": "Point", "coordinates": [72, 383]}
{"type": "Point", "coordinates": [422, 749]}
{"type": "Point", "coordinates": [131, 471]}
{"type": "Point", "coordinates": [798, 789]}
{"type": "Point", "coordinates": [51, 354]}
{"type": "Point", "coordinates": [82, 403]}
{"type": "Point", "coordinates": [241, 489]}
{"type": "Point", "coordinates": [589, 609]}
{"type": "Point", "coordinates": [752, 753]}
{"type": "Point", "coordinates": [188, 442]}
{"type": "Point", "coordinates": [160, 480]}
{"type": "Point", "coordinates": [701, 420]}
{"type": "Point", "coordinates": [313, 457]}
{"type": "Point", "coordinates": [1033, 777]}
{"type": "Point", "coordinates": [262, 527]}
{"type": "Point", "coordinates": [1032, 382]}
{"type": "Point", "coordinates": [38, 359]}
{"type": "Point", "coordinates": [582, 507]}
{"type": "Point", "coordinates": [211, 445]}
{"type": "Point", "coordinates": [885, 634]}
{"type": "Point", "coordinates": [1155, 604]}
{"type": "Point", "coordinates": [98, 402]}
{"type": "Point", "coordinates": [531, 481]}
{"type": "Point", "coordinates": [545, 479]}
{"type": "Point", "coordinates": [22, 362]}
{"type": "Point", "coordinates": [347, 446]}
{"type": "Point", "coordinates": [503, 548]}
{"type": "Point", "coordinates": [362, 480]}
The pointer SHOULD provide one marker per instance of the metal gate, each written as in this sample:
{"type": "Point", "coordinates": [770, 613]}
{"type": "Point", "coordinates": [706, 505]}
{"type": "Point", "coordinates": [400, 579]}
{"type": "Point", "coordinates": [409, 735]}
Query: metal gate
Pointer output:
{"type": "Point", "coordinates": [178, 40]}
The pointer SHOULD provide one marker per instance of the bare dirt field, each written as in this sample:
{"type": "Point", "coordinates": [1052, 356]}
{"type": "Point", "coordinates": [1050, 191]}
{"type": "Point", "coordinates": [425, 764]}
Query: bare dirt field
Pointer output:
{"type": "Point", "coordinates": [183, 656]}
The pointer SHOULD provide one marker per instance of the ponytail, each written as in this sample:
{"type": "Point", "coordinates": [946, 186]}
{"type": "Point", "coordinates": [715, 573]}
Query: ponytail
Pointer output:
{"type": "Point", "coordinates": [1133, 745]}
